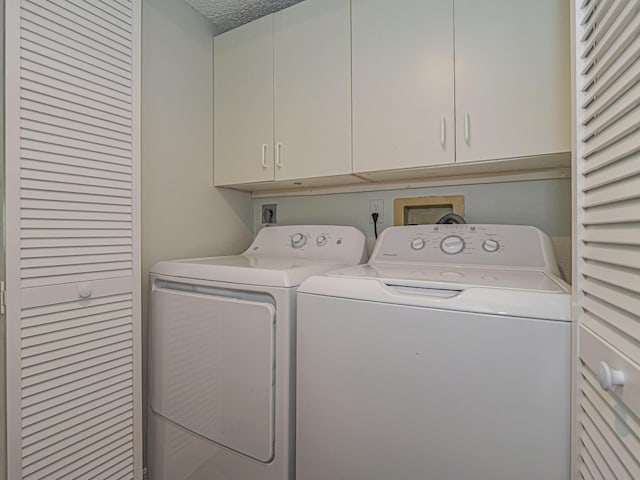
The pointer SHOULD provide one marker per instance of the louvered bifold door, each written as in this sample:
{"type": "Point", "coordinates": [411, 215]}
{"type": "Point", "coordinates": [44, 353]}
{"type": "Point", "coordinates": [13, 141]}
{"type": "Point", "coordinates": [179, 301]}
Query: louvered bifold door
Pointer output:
{"type": "Point", "coordinates": [73, 270]}
{"type": "Point", "coordinates": [607, 244]}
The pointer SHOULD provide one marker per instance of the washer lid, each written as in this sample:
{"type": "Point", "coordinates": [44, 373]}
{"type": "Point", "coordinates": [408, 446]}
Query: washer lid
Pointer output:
{"type": "Point", "coordinates": [247, 269]}
{"type": "Point", "coordinates": [454, 277]}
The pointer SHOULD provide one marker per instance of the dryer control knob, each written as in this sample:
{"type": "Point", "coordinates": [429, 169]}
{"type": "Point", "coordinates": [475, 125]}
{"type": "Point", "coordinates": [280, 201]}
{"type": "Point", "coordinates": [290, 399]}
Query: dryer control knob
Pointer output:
{"type": "Point", "coordinates": [298, 240]}
{"type": "Point", "coordinates": [490, 245]}
{"type": "Point", "coordinates": [322, 240]}
{"type": "Point", "coordinates": [452, 244]}
{"type": "Point", "coordinates": [417, 244]}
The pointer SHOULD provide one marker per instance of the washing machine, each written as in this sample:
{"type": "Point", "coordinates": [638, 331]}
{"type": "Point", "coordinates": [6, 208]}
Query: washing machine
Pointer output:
{"type": "Point", "coordinates": [222, 340]}
{"type": "Point", "coordinates": [446, 357]}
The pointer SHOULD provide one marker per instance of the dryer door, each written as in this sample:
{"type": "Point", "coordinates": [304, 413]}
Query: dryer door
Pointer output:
{"type": "Point", "coordinates": [212, 367]}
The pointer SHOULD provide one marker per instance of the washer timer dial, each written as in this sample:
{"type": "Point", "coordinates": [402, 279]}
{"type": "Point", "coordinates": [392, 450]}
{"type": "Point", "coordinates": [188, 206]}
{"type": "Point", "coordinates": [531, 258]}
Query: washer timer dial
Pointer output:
{"type": "Point", "coordinates": [490, 245]}
{"type": "Point", "coordinates": [298, 240]}
{"type": "Point", "coordinates": [452, 244]}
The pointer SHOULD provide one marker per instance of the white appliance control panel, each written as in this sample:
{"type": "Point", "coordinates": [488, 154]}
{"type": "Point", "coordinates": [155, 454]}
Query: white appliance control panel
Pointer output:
{"type": "Point", "coordinates": [326, 242]}
{"type": "Point", "coordinates": [480, 245]}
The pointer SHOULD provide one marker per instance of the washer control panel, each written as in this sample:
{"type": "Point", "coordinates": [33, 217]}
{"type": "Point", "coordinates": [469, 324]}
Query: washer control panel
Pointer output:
{"type": "Point", "coordinates": [325, 242]}
{"type": "Point", "coordinates": [482, 245]}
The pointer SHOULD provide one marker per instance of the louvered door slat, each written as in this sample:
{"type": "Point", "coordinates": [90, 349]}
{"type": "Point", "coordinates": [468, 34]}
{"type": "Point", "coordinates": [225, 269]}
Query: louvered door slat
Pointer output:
{"type": "Point", "coordinates": [105, 16]}
{"type": "Point", "coordinates": [115, 457]}
{"type": "Point", "coordinates": [39, 107]}
{"type": "Point", "coordinates": [46, 55]}
{"type": "Point", "coordinates": [621, 212]}
{"type": "Point", "coordinates": [73, 52]}
{"type": "Point", "coordinates": [614, 107]}
{"type": "Point", "coordinates": [68, 95]}
{"type": "Point", "coordinates": [621, 189]}
{"type": "Point", "coordinates": [76, 26]}
{"type": "Point", "coordinates": [73, 179]}
{"type": "Point", "coordinates": [51, 26]}
{"type": "Point", "coordinates": [585, 473]}
{"type": "Point", "coordinates": [626, 125]}
{"type": "Point", "coordinates": [618, 80]}
{"type": "Point", "coordinates": [611, 43]}
{"type": "Point", "coordinates": [607, 240]}
{"type": "Point", "coordinates": [613, 172]}
{"type": "Point", "coordinates": [62, 98]}
{"type": "Point", "coordinates": [69, 451]}
{"type": "Point", "coordinates": [614, 254]}
{"type": "Point", "coordinates": [597, 13]}
{"type": "Point", "coordinates": [38, 120]}
{"type": "Point", "coordinates": [112, 11]}
{"type": "Point", "coordinates": [66, 187]}
{"type": "Point", "coordinates": [36, 415]}
{"type": "Point", "coordinates": [37, 161]}
{"type": "Point", "coordinates": [42, 31]}
{"type": "Point", "coordinates": [599, 463]}
{"type": "Point", "coordinates": [617, 275]}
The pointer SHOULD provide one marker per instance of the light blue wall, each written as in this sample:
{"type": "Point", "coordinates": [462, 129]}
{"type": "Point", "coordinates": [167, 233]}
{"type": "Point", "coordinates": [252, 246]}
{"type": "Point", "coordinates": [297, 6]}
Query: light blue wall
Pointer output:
{"type": "Point", "coordinates": [545, 204]}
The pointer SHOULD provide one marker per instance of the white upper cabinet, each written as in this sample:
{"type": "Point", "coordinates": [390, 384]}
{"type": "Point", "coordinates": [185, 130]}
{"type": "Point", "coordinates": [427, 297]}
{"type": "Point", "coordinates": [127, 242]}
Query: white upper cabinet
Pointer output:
{"type": "Point", "coordinates": [243, 105]}
{"type": "Point", "coordinates": [403, 84]}
{"type": "Point", "coordinates": [283, 96]}
{"type": "Point", "coordinates": [512, 78]}
{"type": "Point", "coordinates": [511, 95]}
{"type": "Point", "coordinates": [427, 82]}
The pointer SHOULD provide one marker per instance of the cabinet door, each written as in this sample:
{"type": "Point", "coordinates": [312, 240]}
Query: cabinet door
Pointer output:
{"type": "Point", "coordinates": [402, 84]}
{"type": "Point", "coordinates": [312, 90]}
{"type": "Point", "coordinates": [243, 104]}
{"type": "Point", "coordinates": [512, 78]}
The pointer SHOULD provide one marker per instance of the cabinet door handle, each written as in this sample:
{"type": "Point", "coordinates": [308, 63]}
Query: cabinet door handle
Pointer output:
{"type": "Point", "coordinates": [279, 155]}
{"type": "Point", "coordinates": [443, 132]}
{"type": "Point", "coordinates": [467, 127]}
{"type": "Point", "coordinates": [264, 155]}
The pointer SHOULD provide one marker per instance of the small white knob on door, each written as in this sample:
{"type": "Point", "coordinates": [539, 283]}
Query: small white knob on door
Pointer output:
{"type": "Point", "coordinates": [84, 291]}
{"type": "Point", "coordinates": [608, 378]}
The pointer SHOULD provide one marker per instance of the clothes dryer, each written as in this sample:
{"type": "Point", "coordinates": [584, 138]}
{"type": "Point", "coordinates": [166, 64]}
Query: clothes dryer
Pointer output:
{"type": "Point", "coordinates": [222, 339]}
{"type": "Point", "coordinates": [446, 357]}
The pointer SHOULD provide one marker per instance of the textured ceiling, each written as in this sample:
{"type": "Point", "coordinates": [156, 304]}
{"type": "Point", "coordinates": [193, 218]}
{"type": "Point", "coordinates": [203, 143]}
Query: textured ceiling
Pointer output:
{"type": "Point", "coordinates": [228, 14]}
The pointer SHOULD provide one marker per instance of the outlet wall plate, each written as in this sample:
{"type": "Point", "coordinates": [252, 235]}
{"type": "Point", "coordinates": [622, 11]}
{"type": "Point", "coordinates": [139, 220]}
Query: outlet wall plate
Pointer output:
{"type": "Point", "coordinates": [376, 206]}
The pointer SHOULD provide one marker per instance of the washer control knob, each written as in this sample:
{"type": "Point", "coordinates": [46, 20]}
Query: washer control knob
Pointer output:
{"type": "Point", "coordinates": [417, 244]}
{"type": "Point", "coordinates": [490, 245]}
{"type": "Point", "coordinates": [298, 240]}
{"type": "Point", "coordinates": [452, 244]}
{"type": "Point", "coordinates": [321, 241]}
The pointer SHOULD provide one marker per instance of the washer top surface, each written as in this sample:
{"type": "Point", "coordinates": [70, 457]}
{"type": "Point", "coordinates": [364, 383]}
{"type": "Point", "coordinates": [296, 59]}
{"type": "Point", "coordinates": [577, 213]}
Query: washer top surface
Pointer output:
{"type": "Point", "coordinates": [280, 256]}
{"type": "Point", "coordinates": [501, 269]}
{"type": "Point", "coordinates": [455, 277]}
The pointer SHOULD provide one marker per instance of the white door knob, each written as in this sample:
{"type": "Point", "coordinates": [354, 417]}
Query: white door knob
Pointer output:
{"type": "Point", "coordinates": [609, 378]}
{"type": "Point", "coordinates": [84, 292]}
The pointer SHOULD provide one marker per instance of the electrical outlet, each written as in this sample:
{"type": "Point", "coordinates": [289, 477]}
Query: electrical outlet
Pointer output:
{"type": "Point", "coordinates": [376, 206]}
{"type": "Point", "coordinates": [269, 214]}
